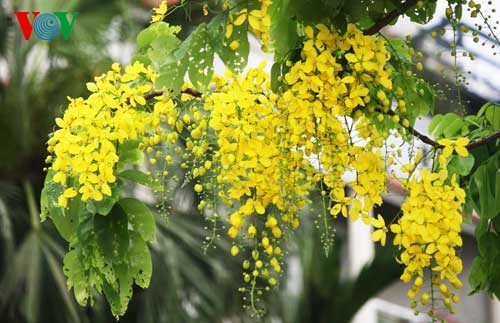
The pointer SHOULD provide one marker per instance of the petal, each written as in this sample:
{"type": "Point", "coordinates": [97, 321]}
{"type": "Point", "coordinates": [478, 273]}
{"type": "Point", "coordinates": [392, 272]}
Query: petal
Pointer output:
{"type": "Point", "coordinates": [377, 235]}
{"type": "Point", "coordinates": [447, 151]}
{"type": "Point", "coordinates": [462, 141]}
{"type": "Point", "coordinates": [462, 151]}
{"type": "Point", "coordinates": [445, 142]}
{"type": "Point", "coordinates": [395, 228]}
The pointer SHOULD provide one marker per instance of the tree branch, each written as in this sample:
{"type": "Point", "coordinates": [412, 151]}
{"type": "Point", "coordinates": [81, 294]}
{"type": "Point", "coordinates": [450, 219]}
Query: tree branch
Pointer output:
{"type": "Point", "coordinates": [390, 17]}
{"type": "Point", "coordinates": [423, 138]}
{"type": "Point", "coordinates": [189, 91]}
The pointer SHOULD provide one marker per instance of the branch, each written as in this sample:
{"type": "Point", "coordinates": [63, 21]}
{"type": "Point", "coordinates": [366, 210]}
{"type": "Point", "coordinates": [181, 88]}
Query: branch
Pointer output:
{"type": "Point", "coordinates": [423, 138]}
{"type": "Point", "coordinates": [426, 140]}
{"type": "Point", "coordinates": [390, 17]}
{"type": "Point", "coordinates": [483, 141]}
{"type": "Point", "coordinates": [189, 91]}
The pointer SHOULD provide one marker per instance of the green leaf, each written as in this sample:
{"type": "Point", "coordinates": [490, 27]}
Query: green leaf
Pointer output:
{"type": "Point", "coordinates": [140, 218]}
{"type": "Point", "coordinates": [66, 222]}
{"type": "Point", "coordinates": [120, 293]}
{"type": "Point", "coordinates": [49, 197]}
{"type": "Point", "coordinates": [172, 75]}
{"type": "Point", "coordinates": [436, 120]}
{"type": "Point", "coordinates": [141, 266]}
{"type": "Point", "coordinates": [216, 31]}
{"type": "Point", "coordinates": [461, 165]}
{"type": "Point", "coordinates": [401, 49]}
{"type": "Point", "coordinates": [74, 269]}
{"type": "Point", "coordinates": [442, 124]}
{"type": "Point", "coordinates": [283, 29]}
{"type": "Point", "coordinates": [147, 36]}
{"type": "Point", "coordinates": [112, 234]}
{"type": "Point", "coordinates": [141, 178]}
{"type": "Point", "coordinates": [236, 60]}
{"type": "Point", "coordinates": [130, 153]}
{"type": "Point", "coordinates": [484, 187]}
{"type": "Point", "coordinates": [454, 128]}
{"type": "Point", "coordinates": [478, 274]}
{"type": "Point", "coordinates": [491, 112]}
{"type": "Point", "coordinates": [200, 57]}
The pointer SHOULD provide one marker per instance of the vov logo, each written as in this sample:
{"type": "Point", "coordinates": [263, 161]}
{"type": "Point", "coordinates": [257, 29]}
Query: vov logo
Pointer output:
{"type": "Point", "coordinates": [46, 26]}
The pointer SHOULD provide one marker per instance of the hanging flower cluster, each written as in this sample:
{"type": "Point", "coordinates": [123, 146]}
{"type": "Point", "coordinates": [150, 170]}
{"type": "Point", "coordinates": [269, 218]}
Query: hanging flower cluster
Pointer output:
{"type": "Point", "coordinates": [429, 232]}
{"type": "Point", "coordinates": [321, 94]}
{"type": "Point", "coordinates": [84, 149]}
{"type": "Point", "coordinates": [259, 23]}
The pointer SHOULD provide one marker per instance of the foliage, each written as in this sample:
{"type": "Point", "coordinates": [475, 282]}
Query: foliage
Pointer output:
{"type": "Point", "coordinates": [256, 147]}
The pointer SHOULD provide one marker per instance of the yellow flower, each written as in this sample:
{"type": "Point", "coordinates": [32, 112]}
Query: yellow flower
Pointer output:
{"type": "Point", "coordinates": [160, 12]}
{"type": "Point", "coordinates": [380, 234]}
{"type": "Point", "coordinates": [458, 145]}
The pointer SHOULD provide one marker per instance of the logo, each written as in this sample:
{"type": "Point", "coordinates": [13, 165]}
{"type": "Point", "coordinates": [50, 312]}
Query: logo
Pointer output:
{"type": "Point", "coordinates": [46, 26]}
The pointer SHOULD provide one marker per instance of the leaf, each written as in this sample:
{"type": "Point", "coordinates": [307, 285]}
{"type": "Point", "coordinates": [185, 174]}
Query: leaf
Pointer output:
{"type": "Point", "coordinates": [401, 49]}
{"type": "Point", "coordinates": [484, 187]}
{"type": "Point", "coordinates": [236, 60]}
{"type": "Point", "coordinates": [77, 279]}
{"type": "Point", "coordinates": [147, 36]}
{"type": "Point", "coordinates": [172, 75]}
{"type": "Point", "coordinates": [140, 218]}
{"type": "Point", "coordinates": [141, 178]}
{"type": "Point", "coordinates": [66, 222]}
{"type": "Point", "coordinates": [443, 123]}
{"type": "Point", "coordinates": [216, 31]}
{"type": "Point", "coordinates": [200, 57]}
{"type": "Point", "coordinates": [49, 196]}
{"type": "Point", "coordinates": [283, 29]}
{"type": "Point", "coordinates": [491, 112]}
{"type": "Point", "coordinates": [141, 266]}
{"type": "Point", "coordinates": [453, 129]}
{"type": "Point", "coordinates": [130, 153]}
{"type": "Point", "coordinates": [119, 294]}
{"type": "Point", "coordinates": [478, 274]}
{"type": "Point", "coordinates": [112, 235]}
{"type": "Point", "coordinates": [436, 120]}
{"type": "Point", "coordinates": [461, 165]}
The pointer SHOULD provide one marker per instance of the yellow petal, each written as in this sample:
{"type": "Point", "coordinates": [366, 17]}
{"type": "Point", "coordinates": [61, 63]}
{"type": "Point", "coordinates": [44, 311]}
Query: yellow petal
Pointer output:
{"type": "Point", "coordinates": [350, 57]}
{"type": "Point", "coordinates": [462, 151]}
{"type": "Point", "coordinates": [259, 208]}
{"type": "Point", "coordinates": [445, 142]}
{"type": "Point", "coordinates": [377, 235]}
{"type": "Point", "coordinates": [229, 30]}
{"type": "Point", "coordinates": [447, 151]}
{"type": "Point", "coordinates": [240, 19]}
{"type": "Point", "coordinates": [395, 228]}
{"type": "Point", "coordinates": [92, 87]}
{"type": "Point", "coordinates": [70, 192]}
{"type": "Point", "coordinates": [462, 141]}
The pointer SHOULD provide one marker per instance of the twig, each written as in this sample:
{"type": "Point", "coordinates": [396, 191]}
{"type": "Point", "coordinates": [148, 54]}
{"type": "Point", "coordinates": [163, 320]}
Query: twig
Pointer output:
{"type": "Point", "coordinates": [390, 17]}
{"type": "Point", "coordinates": [423, 138]}
{"type": "Point", "coordinates": [189, 91]}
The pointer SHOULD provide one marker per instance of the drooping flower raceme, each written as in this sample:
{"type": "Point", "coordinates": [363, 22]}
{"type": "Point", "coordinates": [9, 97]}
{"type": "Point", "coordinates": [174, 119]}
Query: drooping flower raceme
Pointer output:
{"type": "Point", "coordinates": [84, 147]}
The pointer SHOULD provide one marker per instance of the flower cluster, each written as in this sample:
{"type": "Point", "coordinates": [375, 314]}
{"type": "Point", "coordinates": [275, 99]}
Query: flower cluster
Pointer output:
{"type": "Point", "coordinates": [85, 147]}
{"type": "Point", "coordinates": [259, 22]}
{"type": "Point", "coordinates": [321, 94]}
{"type": "Point", "coordinates": [159, 12]}
{"type": "Point", "coordinates": [255, 169]}
{"type": "Point", "coordinates": [429, 234]}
